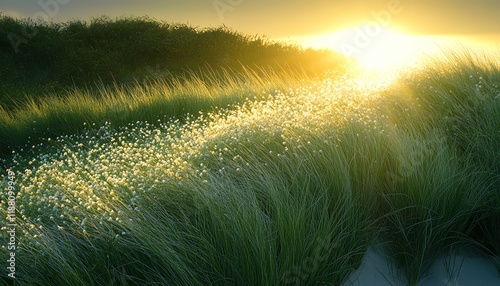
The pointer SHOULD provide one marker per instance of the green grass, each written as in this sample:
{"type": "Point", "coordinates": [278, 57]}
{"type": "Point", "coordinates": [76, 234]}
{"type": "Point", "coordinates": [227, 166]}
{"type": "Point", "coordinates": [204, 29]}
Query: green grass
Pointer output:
{"type": "Point", "coordinates": [149, 101]}
{"type": "Point", "coordinates": [290, 185]}
{"type": "Point", "coordinates": [445, 181]}
{"type": "Point", "coordinates": [39, 58]}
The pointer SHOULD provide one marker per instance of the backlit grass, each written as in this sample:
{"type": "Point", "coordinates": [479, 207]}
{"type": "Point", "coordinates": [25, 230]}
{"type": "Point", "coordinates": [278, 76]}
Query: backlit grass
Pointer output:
{"type": "Point", "coordinates": [149, 101]}
{"type": "Point", "coordinates": [289, 186]}
{"type": "Point", "coordinates": [53, 57]}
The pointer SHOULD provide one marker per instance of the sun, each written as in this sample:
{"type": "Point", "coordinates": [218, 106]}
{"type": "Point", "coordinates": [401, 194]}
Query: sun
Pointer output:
{"type": "Point", "coordinates": [375, 47]}
{"type": "Point", "coordinates": [388, 50]}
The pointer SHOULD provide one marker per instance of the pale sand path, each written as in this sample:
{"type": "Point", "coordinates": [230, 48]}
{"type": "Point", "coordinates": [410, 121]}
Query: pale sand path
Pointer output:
{"type": "Point", "coordinates": [467, 268]}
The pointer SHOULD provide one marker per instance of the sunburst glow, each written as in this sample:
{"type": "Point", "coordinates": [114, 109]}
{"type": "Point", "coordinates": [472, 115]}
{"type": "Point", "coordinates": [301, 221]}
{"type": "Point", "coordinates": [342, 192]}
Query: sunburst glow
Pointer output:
{"type": "Point", "coordinates": [375, 47]}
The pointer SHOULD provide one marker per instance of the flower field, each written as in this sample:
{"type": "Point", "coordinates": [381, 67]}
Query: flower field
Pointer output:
{"type": "Point", "coordinates": [288, 185]}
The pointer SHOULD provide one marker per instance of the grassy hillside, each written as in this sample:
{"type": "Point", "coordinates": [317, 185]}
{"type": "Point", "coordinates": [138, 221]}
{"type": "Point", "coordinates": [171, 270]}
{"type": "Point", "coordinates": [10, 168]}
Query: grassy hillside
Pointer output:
{"type": "Point", "coordinates": [53, 115]}
{"type": "Point", "coordinates": [290, 186]}
{"type": "Point", "coordinates": [38, 57]}
{"type": "Point", "coordinates": [57, 78]}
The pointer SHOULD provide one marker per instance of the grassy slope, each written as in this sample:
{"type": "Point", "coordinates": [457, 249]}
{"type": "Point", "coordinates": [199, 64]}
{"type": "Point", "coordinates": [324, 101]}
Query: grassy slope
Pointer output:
{"type": "Point", "coordinates": [196, 219]}
{"type": "Point", "coordinates": [150, 101]}
{"type": "Point", "coordinates": [39, 58]}
{"type": "Point", "coordinates": [445, 184]}
{"type": "Point", "coordinates": [288, 188]}
{"type": "Point", "coordinates": [129, 69]}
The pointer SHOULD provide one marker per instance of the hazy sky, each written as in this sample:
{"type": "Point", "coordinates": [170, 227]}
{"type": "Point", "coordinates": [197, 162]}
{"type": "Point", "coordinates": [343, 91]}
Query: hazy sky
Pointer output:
{"type": "Point", "coordinates": [280, 18]}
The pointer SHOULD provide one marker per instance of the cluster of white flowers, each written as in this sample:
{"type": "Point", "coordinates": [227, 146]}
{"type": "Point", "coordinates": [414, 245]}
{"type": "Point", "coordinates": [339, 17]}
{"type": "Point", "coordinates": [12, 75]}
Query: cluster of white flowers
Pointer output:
{"type": "Point", "coordinates": [90, 179]}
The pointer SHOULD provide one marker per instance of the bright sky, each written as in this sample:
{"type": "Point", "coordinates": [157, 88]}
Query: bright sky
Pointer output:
{"type": "Point", "coordinates": [368, 30]}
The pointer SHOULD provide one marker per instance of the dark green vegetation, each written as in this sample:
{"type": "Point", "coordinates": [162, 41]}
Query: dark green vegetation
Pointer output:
{"type": "Point", "coordinates": [56, 77]}
{"type": "Point", "coordinates": [290, 185]}
{"type": "Point", "coordinates": [39, 57]}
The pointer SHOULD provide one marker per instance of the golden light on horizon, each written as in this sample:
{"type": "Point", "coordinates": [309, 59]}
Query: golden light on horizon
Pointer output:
{"type": "Point", "coordinates": [375, 47]}
{"type": "Point", "coordinates": [379, 47]}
